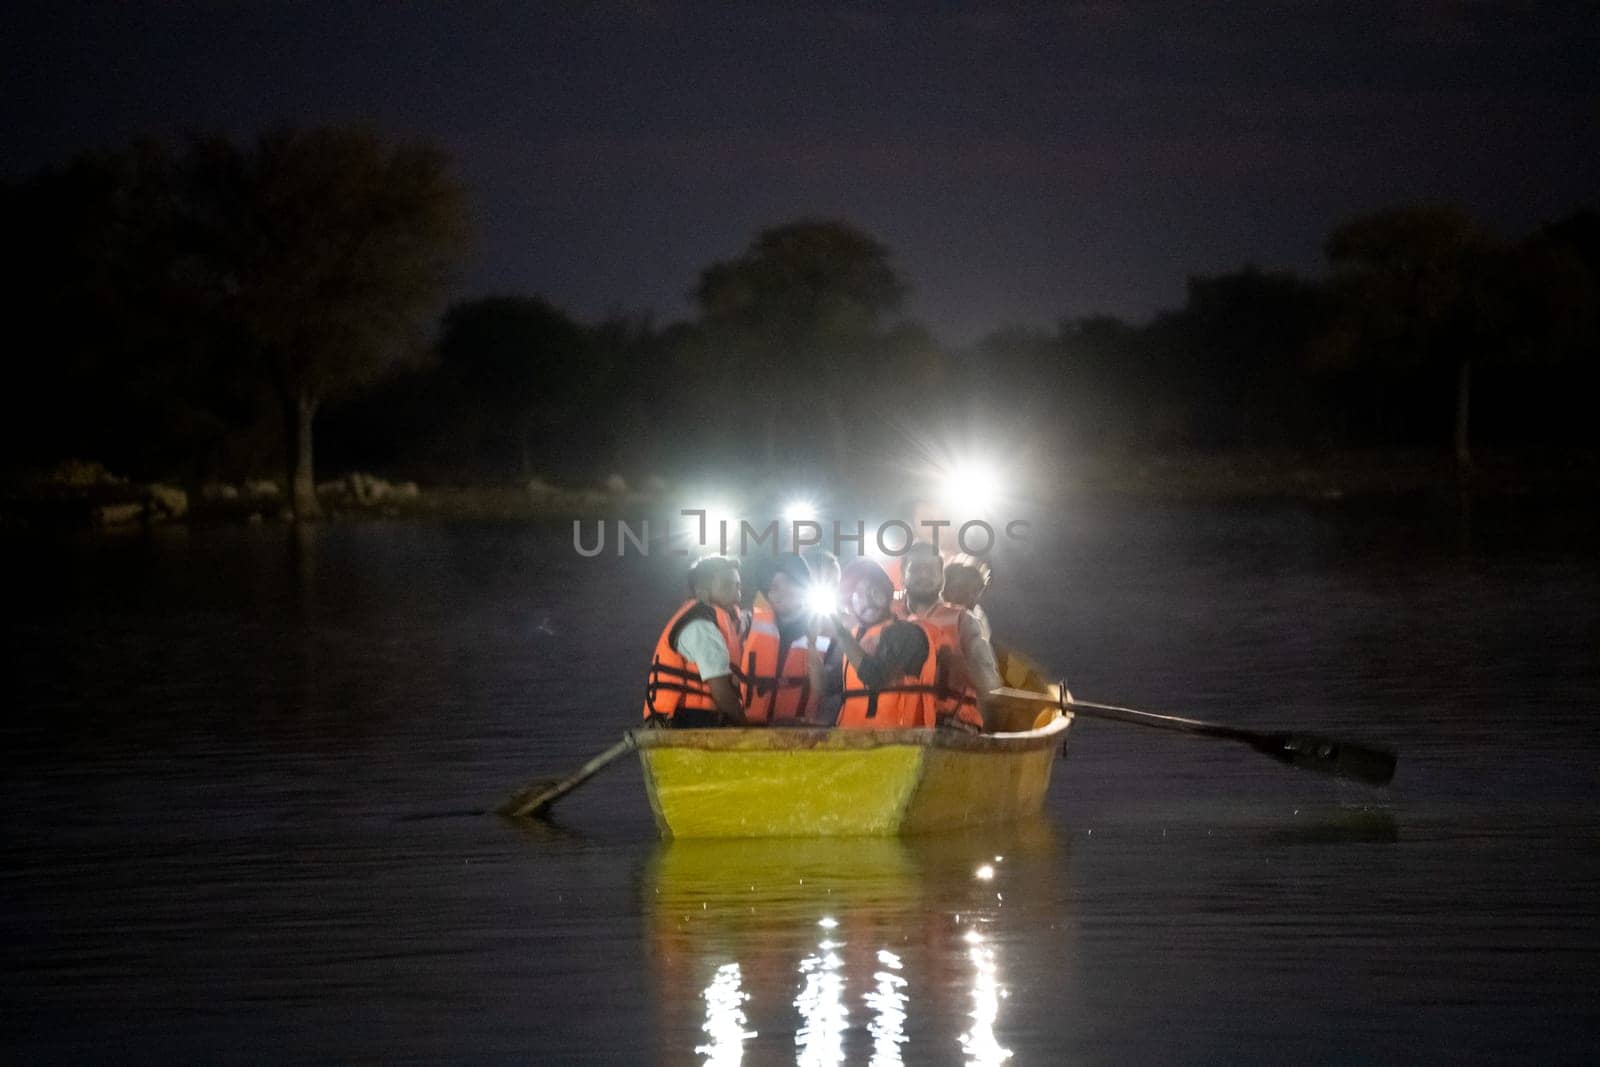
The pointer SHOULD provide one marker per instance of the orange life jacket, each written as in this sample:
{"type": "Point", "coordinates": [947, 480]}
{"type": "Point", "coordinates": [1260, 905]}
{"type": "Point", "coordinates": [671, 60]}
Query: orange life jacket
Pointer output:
{"type": "Point", "coordinates": [907, 703]}
{"type": "Point", "coordinates": [675, 683]}
{"type": "Point", "coordinates": [771, 689]}
{"type": "Point", "coordinates": [957, 696]}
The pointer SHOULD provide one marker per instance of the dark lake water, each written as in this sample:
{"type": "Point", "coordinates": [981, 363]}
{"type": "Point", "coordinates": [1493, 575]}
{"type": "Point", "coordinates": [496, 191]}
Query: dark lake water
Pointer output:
{"type": "Point", "coordinates": [240, 769]}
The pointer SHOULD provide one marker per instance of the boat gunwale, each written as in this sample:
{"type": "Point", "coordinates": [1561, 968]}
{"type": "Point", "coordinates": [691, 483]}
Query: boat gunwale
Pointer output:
{"type": "Point", "coordinates": [833, 739]}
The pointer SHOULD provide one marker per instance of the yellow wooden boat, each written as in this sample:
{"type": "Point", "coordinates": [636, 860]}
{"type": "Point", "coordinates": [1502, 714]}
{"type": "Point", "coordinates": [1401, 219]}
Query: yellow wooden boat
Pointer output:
{"type": "Point", "coordinates": [815, 782]}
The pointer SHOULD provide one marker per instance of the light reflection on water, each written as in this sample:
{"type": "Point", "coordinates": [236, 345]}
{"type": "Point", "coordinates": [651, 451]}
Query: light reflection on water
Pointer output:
{"type": "Point", "coordinates": [888, 1004]}
{"type": "Point", "coordinates": [851, 949]}
{"type": "Point", "coordinates": [725, 1019]}
{"type": "Point", "coordinates": [821, 1004]}
{"type": "Point", "coordinates": [979, 1042]}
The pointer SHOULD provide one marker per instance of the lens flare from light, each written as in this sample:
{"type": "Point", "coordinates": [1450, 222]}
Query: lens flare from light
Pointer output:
{"type": "Point", "coordinates": [972, 485]}
{"type": "Point", "coordinates": [800, 511]}
{"type": "Point", "coordinates": [821, 599]}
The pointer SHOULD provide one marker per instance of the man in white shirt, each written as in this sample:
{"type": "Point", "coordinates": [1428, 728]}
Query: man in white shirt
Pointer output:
{"type": "Point", "coordinates": [715, 581]}
{"type": "Point", "coordinates": [965, 580]}
{"type": "Point", "coordinates": [959, 583]}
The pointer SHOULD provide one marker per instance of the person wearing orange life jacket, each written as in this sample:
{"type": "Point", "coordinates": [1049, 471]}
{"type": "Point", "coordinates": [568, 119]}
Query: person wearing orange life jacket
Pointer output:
{"type": "Point", "coordinates": [966, 666]}
{"type": "Point", "coordinates": [889, 669]}
{"type": "Point", "coordinates": [783, 653]}
{"type": "Point", "coordinates": [694, 674]}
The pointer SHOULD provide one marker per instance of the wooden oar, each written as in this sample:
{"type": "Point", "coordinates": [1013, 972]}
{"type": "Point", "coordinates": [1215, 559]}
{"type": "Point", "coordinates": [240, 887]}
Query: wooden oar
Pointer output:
{"type": "Point", "coordinates": [1344, 758]}
{"type": "Point", "coordinates": [536, 796]}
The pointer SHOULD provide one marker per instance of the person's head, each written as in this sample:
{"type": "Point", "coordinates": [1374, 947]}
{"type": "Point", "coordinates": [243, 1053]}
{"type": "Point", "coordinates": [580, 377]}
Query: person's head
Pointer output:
{"type": "Point", "coordinates": [715, 579]}
{"type": "Point", "coordinates": [786, 586]}
{"type": "Point", "coordinates": [868, 591]}
{"type": "Point", "coordinates": [922, 571]}
{"type": "Point", "coordinates": [925, 511]}
{"type": "Point", "coordinates": [965, 579]}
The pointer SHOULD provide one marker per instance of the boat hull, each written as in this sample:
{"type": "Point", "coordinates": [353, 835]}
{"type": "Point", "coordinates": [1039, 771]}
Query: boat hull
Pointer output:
{"type": "Point", "coordinates": [843, 783]}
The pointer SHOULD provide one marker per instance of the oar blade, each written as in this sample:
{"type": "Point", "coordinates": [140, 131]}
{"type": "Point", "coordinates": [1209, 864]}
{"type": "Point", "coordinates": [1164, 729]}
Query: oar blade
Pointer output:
{"type": "Point", "coordinates": [1363, 763]}
{"type": "Point", "coordinates": [528, 800]}
{"type": "Point", "coordinates": [534, 798]}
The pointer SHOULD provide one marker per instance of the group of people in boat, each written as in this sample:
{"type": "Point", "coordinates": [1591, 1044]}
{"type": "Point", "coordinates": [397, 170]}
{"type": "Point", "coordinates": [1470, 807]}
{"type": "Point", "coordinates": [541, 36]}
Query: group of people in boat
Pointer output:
{"type": "Point", "coordinates": [824, 646]}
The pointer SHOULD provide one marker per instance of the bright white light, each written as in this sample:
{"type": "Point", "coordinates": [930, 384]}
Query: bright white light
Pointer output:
{"type": "Point", "coordinates": [800, 511]}
{"type": "Point", "coordinates": [972, 486]}
{"type": "Point", "coordinates": [821, 599]}
{"type": "Point", "coordinates": [827, 923]}
{"type": "Point", "coordinates": [986, 872]}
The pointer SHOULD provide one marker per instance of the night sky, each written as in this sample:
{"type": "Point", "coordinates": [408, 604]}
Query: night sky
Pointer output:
{"type": "Point", "coordinates": [1025, 163]}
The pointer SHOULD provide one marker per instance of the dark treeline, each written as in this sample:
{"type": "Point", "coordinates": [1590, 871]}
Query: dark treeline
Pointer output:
{"type": "Point", "coordinates": [192, 314]}
{"type": "Point", "coordinates": [1428, 333]}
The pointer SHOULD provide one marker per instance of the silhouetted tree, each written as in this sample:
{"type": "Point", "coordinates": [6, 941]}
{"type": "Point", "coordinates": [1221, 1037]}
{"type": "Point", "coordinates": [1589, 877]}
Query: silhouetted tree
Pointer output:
{"type": "Point", "coordinates": [333, 248]}
{"type": "Point", "coordinates": [1239, 343]}
{"type": "Point", "coordinates": [524, 367]}
{"type": "Point", "coordinates": [645, 377]}
{"type": "Point", "coordinates": [1561, 283]}
{"type": "Point", "coordinates": [1118, 384]}
{"type": "Point", "coordinates": [1423, 285]}
{"type": "Point", "coordinates": [1545, 390]}
{"type": "Point", "coordinates": [119, 342]}
{"type": "Point", "coordinates": [801, 314]}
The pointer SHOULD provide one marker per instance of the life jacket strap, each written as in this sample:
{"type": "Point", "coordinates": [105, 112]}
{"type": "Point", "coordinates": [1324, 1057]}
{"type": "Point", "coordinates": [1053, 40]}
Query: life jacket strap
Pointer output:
{"type": "Point", "coordinates": [673, 687]}
{"type": "Point", "coordinates": [766, 683]}
{"type": "Point", "coordinates": [657, 667]}
{"type": "Point", "coordinates": [848, 693]}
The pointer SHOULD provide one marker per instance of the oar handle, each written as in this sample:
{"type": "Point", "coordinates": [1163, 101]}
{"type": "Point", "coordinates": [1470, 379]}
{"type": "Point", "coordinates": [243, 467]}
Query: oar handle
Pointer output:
{"type": "Point", "coordinates": [1160, 722]}
{"type": "Point", "coordinates": [1363, 762]}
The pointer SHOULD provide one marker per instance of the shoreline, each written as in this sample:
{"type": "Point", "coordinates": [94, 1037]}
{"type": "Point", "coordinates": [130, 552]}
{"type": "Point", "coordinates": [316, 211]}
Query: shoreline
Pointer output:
{"type": "Point", "coordinates": [89, 497]}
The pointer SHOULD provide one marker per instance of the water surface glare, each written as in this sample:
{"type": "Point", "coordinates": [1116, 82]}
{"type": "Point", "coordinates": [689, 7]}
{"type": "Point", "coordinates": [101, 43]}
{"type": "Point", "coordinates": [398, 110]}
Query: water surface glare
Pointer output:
{"type": "Point", "coordinates": [241, 768]}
